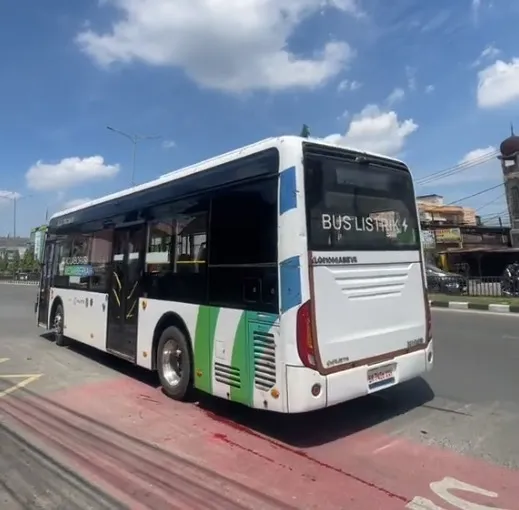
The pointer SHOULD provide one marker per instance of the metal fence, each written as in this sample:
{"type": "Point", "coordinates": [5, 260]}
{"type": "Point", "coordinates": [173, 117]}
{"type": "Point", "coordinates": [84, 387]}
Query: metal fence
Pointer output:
{"type": "Point", "coordinates": [492, 286]}
{"type": "Point", "coordinates": [26, 279]}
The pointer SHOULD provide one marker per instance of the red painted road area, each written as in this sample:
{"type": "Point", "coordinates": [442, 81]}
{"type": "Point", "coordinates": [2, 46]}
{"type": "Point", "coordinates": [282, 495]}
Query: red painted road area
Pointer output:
{"type": "Point", "coordinates": [153, 453]}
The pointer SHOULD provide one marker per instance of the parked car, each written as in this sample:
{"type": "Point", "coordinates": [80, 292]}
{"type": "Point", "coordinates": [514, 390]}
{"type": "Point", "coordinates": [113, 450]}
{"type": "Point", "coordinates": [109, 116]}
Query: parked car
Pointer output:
{"type": "Point", "coordinates": [444, 282]}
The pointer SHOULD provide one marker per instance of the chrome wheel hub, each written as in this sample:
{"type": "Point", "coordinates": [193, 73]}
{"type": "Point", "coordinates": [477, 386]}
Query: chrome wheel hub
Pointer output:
{"type": "Point", "coordinates": [58, 323]}
{"type": "Point", "coordinates": [172, 362]}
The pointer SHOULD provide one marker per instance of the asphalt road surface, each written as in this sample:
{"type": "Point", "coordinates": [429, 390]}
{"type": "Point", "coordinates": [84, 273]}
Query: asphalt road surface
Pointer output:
{"type": "Point", "coordinates": [80, 429]}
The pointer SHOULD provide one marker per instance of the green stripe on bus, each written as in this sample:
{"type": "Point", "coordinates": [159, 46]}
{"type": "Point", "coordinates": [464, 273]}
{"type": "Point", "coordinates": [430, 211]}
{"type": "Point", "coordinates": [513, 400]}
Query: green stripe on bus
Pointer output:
{"type": "Point", "coordinates": [241, 358]}
{"type": "Point", "coordinates": [204, 346]}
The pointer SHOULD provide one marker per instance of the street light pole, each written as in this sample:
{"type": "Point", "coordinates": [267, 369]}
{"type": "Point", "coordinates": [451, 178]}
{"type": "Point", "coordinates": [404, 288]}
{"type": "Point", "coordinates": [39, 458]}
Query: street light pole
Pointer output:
{"type": "Point", "coordinates": [134, 139]}
{"type": "Point", "coordinates": [14, 197]}
{"type": "Point", "coordinates": [14, 214]}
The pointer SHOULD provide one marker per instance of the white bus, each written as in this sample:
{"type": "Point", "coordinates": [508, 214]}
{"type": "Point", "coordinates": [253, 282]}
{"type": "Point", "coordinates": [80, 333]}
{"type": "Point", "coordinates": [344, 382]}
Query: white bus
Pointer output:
{"type": "Point", "coordinates": [286, 275]}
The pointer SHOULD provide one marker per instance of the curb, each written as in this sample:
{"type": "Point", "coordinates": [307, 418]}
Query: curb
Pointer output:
{"type": "Point", "coordinates": [461, 305]}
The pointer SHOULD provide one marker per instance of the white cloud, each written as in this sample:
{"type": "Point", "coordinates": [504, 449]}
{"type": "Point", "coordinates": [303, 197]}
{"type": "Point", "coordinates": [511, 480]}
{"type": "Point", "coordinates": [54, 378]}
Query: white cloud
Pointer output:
{"type": "Point", "coordinates": [477, 165]}
{"type": "Point", "coordinates": [343, 116]}
{"type": "Point", "coordinates": [168, 144]}
{"type": "Point", "coordinates": [476, 155]}
{"type": "Point", "coordinates": [349, 85]}
{"type": "Point", "coordinates": [490, 52]}
{"type": "Point", "coordinates": [498, 84]}
{"type": "Point", "coordinates": [476, 8]}
{"type": "Point", "coordinates": [429, 89]}
{"type": "Point", "coordinates": [7, 197]}
{"type": "Point", "coordinates": [230, 45]}
{"type": "Point", "coordinates": [68, 172]}
{"type": "Point", "coordinates": [376, 130]}
{"type": "Point", "coordinates": [75, 202]}
{"type": "Point", "coordinates": [437, 21]}
{"type": "Point", "coordinates": [396, 96]}
{"type": "Point", "coordinates": [410, 73]}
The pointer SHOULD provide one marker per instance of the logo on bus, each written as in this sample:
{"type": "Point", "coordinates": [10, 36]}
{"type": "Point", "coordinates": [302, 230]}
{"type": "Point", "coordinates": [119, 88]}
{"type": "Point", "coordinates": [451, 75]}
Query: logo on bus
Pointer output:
{"type": "Point", "coordinates": [334, 260]}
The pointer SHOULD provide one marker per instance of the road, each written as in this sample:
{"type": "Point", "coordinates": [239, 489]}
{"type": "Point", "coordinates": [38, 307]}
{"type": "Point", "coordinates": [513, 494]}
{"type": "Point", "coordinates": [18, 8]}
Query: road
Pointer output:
{"type": "Point", "coordinates": [88, 431]}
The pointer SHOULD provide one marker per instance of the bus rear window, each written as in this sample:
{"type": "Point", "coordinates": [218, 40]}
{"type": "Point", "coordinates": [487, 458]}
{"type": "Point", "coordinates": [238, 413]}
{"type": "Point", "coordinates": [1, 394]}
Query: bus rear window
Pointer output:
{"type": "Point", "coordinates": [358, 206]}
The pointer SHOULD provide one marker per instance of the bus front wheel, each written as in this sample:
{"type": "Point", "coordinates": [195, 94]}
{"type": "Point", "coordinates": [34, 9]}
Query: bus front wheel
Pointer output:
{"type": "Point", "coordinates": [58, 326]}
{"type": "Point", "coordinates": [174, 363]}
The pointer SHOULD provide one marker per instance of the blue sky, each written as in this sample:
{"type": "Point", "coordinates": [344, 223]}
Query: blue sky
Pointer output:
{"type": "Point", "coordinates": [430, 82]}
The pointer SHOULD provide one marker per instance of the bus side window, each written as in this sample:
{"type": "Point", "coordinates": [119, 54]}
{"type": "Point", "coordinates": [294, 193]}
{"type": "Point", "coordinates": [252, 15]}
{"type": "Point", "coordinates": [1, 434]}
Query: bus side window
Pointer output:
{"type": "Point", "coordinates": [175, 269]}
{"type": "Point", "coordinates": [243, 247]}
{"type": "Point", "coordinates": [100, 260]}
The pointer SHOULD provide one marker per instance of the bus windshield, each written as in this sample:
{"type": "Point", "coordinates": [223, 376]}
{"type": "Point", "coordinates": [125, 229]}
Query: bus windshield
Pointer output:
{"type": "Point", "coordinates": [359, 206]}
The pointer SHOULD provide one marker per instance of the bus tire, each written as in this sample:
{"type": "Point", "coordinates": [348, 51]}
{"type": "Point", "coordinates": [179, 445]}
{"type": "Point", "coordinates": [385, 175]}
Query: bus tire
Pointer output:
{"type": "Point", "coordinates": [58, 325]}
{"type": "Point", "coordinates": [174, 364]}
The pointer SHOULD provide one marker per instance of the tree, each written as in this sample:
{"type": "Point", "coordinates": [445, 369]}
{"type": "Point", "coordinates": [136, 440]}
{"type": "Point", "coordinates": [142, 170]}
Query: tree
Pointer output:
{"type": "Point", "coordinates": [27, 262]}
{"type": "Point", "coordinates": [305, 131]}
{"type": "Point", "coordinates": [3, 262]}
{"type": "Point", "coordinates": [14, 263]}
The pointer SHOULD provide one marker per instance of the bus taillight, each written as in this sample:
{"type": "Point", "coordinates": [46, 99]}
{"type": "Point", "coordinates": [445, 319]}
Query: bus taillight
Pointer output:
{"type": "Point", "coordinates": [305, 337]}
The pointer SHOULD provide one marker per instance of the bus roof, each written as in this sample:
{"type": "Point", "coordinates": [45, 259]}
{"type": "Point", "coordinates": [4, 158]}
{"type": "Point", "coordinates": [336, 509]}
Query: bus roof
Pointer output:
{"type": "Point", "coordinates": [206, 165]}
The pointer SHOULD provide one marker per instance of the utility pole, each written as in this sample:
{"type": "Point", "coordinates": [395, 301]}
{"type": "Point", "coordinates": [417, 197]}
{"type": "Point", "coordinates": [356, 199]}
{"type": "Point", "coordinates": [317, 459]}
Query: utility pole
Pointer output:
{"type": "Point", "coordinates": [135, 139]}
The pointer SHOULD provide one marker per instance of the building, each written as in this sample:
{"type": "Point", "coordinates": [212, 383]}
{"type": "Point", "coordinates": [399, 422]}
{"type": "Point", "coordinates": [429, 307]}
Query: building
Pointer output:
{"type": "Point", "coordinates": [10, 245]}
{"type": "Point", "coordinates": [509, 156]}
{"type": "Point", "coordinates": [432, 209]}
{"type": "Point", "coordinates": [455, 227]}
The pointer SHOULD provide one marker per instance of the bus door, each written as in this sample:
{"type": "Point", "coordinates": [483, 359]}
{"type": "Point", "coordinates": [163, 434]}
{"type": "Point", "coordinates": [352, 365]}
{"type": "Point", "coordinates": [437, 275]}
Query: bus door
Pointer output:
{"type": "Point", "coordinates": [45, 284]}
{"type": "Point", "coordinates": [123, 301]}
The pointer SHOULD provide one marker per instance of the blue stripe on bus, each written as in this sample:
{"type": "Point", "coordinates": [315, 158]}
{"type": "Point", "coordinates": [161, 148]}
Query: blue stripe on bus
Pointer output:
{"type": "Point", "coordinates": [290, 279]}
{"type": "Point", "coordinates": [287, 190]}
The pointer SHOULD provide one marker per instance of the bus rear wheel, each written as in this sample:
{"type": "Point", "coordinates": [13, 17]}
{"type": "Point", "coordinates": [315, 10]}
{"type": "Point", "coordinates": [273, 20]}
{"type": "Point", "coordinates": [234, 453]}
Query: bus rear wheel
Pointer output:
{"type": "Point", "coordinates": [174, 364]}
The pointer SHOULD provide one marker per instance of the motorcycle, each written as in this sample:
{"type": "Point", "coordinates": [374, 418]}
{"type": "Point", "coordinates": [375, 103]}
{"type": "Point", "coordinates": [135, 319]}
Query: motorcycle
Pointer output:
{"type": "Point", "coordinates": [510, 280]}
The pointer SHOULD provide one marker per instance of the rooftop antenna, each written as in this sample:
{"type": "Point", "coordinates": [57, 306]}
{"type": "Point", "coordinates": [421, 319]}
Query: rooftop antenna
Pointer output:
{"type": "Point", "coordinates": [512, 128]}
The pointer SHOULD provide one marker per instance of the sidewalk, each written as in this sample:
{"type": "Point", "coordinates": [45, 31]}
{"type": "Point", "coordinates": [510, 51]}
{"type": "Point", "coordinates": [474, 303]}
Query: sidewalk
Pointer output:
{"type": "Point", "coordinates": [482, 303]}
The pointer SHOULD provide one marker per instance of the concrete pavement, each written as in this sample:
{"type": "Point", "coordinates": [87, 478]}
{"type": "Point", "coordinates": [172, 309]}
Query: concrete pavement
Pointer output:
{"type": "Point", "coordinates": [475, 410]}
{"type": "Point", "coordinates": [32, 479]}
{"type": "Point", "coordinates": [422, 444]}
{"type": "Point", "coordinates": [477, 356]}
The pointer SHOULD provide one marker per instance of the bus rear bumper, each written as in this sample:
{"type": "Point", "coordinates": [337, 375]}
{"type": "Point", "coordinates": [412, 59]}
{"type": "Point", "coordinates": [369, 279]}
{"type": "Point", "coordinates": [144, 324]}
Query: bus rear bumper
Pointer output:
{"type": "Point", "coordinates": [349, 384]}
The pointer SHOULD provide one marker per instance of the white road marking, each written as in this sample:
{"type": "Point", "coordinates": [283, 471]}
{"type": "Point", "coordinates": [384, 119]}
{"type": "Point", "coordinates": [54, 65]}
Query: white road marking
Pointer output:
{"type": "Point", "coordinates": [386, 446]}
{"type": "Point", "coordinates": [443, 489]}
{"type": "Point", "coordinates": [26, 379]}
{"type": "Point", "coordinates": [479, 312]}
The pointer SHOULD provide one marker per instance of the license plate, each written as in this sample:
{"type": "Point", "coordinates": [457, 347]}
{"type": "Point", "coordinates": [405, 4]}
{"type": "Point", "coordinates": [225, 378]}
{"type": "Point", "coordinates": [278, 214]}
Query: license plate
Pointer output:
{"type": "Point", "coordinates": [382, 376]}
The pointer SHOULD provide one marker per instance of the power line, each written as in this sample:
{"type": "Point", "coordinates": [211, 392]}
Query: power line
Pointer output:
{"type": "Point", "coordinates": [468, 197]}
{"type": "Point", "coordinates": [502, 195]}
{"type": "Point", "coordinates": [494, 214]}
{"type": "Point", "coordinates": [486, 190]}
{"type": "Point", "coordinates": [497, 217]}
{"type": "Point", "coordinates": [460, 167]}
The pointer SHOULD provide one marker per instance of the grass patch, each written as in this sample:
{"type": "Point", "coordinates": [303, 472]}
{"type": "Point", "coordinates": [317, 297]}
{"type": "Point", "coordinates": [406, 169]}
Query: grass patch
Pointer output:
{"type": "Point", "coordinates": [483, 300]}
